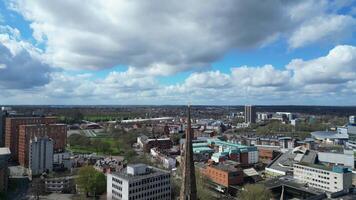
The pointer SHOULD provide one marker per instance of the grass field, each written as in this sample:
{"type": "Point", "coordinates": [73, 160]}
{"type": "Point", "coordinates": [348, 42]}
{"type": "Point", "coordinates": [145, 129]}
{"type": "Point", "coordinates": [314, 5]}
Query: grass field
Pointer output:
{"type": "Point", "coordinates": [106, 146]}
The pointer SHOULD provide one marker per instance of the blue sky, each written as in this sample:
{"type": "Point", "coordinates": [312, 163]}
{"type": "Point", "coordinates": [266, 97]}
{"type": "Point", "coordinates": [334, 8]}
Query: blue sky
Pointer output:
{"type": "Point", "coordinates": [124, 52]}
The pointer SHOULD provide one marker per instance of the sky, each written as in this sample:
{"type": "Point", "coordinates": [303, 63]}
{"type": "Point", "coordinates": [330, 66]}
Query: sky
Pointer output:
{"type": "Point", "coordinates": [231, 52]}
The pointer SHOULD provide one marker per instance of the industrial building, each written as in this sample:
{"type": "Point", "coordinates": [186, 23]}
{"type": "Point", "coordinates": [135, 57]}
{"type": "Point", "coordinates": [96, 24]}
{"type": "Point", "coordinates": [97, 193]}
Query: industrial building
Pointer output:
{"type": "Point", "coordinates": [139, 182]}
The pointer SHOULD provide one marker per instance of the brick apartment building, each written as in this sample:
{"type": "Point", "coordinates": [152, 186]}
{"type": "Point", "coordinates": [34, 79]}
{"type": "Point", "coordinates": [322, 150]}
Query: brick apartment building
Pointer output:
{"type": "Point", "coordinates": [12, 126]}
{"type": "Point", "coordinates": [57, 132]}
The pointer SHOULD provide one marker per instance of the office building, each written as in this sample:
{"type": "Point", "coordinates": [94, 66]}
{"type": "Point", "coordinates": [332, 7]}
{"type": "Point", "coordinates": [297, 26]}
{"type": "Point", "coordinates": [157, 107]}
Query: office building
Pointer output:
{"type": "Point", "coordinates": [12, 126]}
{"type": "Point", "coordinates": [56, 132]}
{"type": "Point", "coordinates": [40, 157]}
{"type": "Point", "coordinates": [352, 119]}
{"type": "Point", "coordinates": [139, 182]}
{"type": "Point", "coordinates": [330, 179]}
{"type": "Point", "coordinates": [4, 157]}
{"type": "Point", "coordinates": [250, 114]}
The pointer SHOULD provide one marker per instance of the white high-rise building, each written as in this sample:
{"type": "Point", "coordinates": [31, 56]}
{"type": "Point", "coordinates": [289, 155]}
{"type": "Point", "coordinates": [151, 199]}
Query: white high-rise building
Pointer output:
{"type": "Point", "coordinates": [139, 182]}
{"type": "Point", "coordinates": [40, 155]}
{"type": "Point", "coordinates": [335, 179]}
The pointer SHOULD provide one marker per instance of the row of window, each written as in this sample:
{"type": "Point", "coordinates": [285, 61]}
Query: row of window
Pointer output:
{"type": "Point", "coordinates": [161, 196]}
{"type": "Point", "coordinates": [168, 188]}
{"type": "Point", "coordinates": [312, 170]}
{"type": "Point", "coordinates": [116, 194]}
{"type": "Point", "coordinates": [150, 180]}
{"type": "Point", "coordinates": [320, 181]}
{"type": "Point", "coordinates": [117, 187]}
{"type": "Point", "coordinates": [320, 186]}
{"type": "Point", "coordinates": [117, 180]}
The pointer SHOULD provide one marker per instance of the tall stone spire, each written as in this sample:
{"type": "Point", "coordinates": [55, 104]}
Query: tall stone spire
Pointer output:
{"type": "Point", "coordinates": [189, 189]}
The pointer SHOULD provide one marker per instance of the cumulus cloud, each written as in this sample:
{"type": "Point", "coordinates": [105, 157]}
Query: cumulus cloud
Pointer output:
{"type": "Point", "coordinates": [260, 76]}
{"type": "Point", "coordinates": [166, 37]}
{"type": "Point", "coordinates": [20, 64]}
{"type": "Point", "coordinates": [339, 66]}
{"type": "Point", "coordinates": [323, 28]}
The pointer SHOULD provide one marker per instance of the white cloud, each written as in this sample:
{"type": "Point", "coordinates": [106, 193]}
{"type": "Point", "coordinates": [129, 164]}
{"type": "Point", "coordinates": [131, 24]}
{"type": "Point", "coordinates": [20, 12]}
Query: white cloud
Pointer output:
{"type": "Point", "coordinates": [166, 37]}
{"type": "Point", "coordinates": [260, 76]}
{"type": "Point", "coordinates": [210, 79]}
{"type": "Point", "coordinates": [323, 28]}
{"type": "Point", "coordinates": [339, 66]}
{"type": "Point", "coordinates": [21, 64]}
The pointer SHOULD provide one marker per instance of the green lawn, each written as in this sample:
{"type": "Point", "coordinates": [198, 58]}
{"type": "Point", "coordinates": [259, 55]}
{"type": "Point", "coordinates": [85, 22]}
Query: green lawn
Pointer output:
{"type": "Point", "coordinates": [116, 146]}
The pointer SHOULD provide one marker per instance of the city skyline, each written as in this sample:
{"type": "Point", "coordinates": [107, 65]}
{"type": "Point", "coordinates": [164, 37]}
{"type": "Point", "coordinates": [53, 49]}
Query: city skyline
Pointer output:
{"type": "Point", "coordinates": [172, 53]}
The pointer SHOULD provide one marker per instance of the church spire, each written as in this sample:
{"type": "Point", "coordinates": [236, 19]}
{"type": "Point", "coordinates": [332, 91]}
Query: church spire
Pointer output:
{"type": "Point", "coordinates": [188, 189]}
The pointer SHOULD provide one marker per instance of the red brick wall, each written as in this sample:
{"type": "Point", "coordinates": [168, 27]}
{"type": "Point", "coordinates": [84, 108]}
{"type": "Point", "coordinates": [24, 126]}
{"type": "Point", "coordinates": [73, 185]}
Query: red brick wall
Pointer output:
{"type": "Point", "coordinates": [58, 133]}
{"type": "Point", "coordinates": [244, 158]}
{"type": "Point", "coordinates": [12, 130]}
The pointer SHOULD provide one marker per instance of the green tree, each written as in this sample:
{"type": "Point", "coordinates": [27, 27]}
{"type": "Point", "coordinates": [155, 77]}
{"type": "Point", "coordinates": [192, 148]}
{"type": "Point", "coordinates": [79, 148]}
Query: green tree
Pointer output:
{"type": "Point", "coordinates": [90, 181]}
{"type": "Point", "coordinates": [203, 191]}
{"type": "Point", "coordinates": [255, 192]}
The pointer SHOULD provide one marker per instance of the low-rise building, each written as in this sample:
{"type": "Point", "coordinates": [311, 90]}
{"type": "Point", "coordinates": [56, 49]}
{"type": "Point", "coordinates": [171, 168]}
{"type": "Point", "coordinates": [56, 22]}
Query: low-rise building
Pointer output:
{"type": "Point", "coordinates": [344, 158]}
{"type": "Point", "coordinates": [148, 143]}
{"type": "Point", "coordinates": [109, 164]}
{"type": "Point", "coordinates": [330, 179]}
{"type": "Point", "coordinates": [225, 174]}
{"type": "Point", "coordinates": [246, 155]}
{"type": "Point", "coordinates": [139, 182]}
{"type": "Point", "coordinates": [62, 160]}
{"type": "Point", "coordinates": [283, 164]}
{"type": "Point", "coordinates": [167, 161]}
{"type": "Point", "coordinates": [60, 185]}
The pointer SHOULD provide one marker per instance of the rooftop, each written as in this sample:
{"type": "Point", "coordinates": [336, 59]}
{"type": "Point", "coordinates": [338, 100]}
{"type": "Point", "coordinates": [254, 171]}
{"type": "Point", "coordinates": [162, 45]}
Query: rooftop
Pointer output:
{"type": "Point", "coordinates": [153, 172]}
{"type": "Point", "coordinates": [285, 161]}
{"type": "Point", "coordinates": [5, 151]}
{"type": "Point", "coordinates": [227, 166]}
{"type": "Point", "coordinates": [329, 135]}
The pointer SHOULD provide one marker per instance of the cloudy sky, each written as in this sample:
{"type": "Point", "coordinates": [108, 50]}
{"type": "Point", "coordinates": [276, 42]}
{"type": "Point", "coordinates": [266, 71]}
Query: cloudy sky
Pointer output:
{"type": "Point", "coordinates": [229, 52]}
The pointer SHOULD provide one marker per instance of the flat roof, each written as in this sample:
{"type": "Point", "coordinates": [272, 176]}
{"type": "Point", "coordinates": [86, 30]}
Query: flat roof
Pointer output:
{"type": "Point", "coordinates": [5, 151]}
{"type": "Point", "coordinates": [318, 166]}
{"type": "Point", "coordinates": [153, 173]}
{"type": "Point", "coordinates": [227, 166]}
{"type": "Point", "coordinates": [329, 135]}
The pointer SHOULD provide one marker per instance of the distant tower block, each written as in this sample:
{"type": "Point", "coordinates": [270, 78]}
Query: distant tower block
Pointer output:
{"type": "Point", "coordinates": [189, 188]}
{"type": "Point", "coordinates": [250, 114]}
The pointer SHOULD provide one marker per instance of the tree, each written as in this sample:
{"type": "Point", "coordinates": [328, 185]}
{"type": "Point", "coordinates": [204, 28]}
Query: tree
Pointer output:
{"type": "Point", "coordinates": [203, 191]}
{"type": "Point", "coordinates": [90, 181]}
{"type": "Point", "coordinates": [255, 192]}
